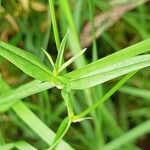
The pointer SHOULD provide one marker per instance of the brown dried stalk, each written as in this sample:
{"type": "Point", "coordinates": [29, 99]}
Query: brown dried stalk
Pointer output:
{"type": "Point", "coordinates": [104, 20]}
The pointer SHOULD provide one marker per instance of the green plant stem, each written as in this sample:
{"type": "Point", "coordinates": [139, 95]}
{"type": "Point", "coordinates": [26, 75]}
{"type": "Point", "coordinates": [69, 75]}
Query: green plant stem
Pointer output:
{"type": "Point", "coordinates": [106, 96]}
{"type": "Point", "coordinates": [67, 98]}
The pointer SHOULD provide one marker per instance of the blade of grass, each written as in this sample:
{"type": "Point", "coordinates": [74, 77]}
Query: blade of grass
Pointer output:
{"type": "Point", "coordinates": [54, 23]}
{"type": "Point", "coordinates": [143, 93]}
{"type": "Point", "coordinates": [112, 124]}
{"type": "Point", "coordinates": [129, 136]}
{"type": "Point", "coordinates": [49, 58]}
{"type": "Point", "coordinates": [133, 22]}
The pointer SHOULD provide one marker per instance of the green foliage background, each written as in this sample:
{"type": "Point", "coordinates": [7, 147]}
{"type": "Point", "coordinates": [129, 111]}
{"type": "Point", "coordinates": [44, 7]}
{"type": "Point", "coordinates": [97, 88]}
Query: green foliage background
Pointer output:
{"type": "Point", "coordinates": [104, 27]}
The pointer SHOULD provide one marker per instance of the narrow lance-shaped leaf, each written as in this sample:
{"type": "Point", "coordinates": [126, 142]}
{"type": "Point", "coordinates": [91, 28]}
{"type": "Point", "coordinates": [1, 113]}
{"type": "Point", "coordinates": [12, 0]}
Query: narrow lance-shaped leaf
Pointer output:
{"type": "Point", "coordinates": [121, 55]}
{"type": "Point", "coordinates": [26, 61]}
{"type": "Point", "coordinates": [54, 23]}
{"type": "Point", "coordinates": [59, 59]}
{"type": "Point", "coordinates": [103, 74]}
{"type": "Point", "coordinates": [49, 58]}
{"type": "Point", "coordinates": [63, 128]}
{"type": "Point", "coordinates": [71, 60]}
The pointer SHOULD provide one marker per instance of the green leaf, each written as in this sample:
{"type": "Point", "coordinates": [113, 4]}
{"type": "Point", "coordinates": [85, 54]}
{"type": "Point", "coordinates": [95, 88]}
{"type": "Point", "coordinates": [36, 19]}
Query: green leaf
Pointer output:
{"type": "Point", "coordinates": [49, 58]}
{"type": "Point", "coordinates": [59, 59]}
{"type": "Point", "coordinates": [107, 73]}
{"type": "Point", "coordinates": [54, 23]}
{"type": "Point", "coordinates": [63, 128]}
{"type": "Point", "coordinates": [26, 61]}
{"type": "Point", "coordinates": [23, 91]}
{"type": "Point", "coordinates": [71, 60]}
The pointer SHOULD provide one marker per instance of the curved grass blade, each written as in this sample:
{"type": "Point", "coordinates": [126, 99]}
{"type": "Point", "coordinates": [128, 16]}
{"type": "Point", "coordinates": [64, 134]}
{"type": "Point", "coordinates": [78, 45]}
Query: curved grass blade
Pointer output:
{"type": "Point", "coordinates": [25, 61]}
{"type": "Point", "coordinates": [129, 136]}
{"type": "Point", "coordinates": [63, 128]}
{"type": "Point", "coordinates": [101, 75]}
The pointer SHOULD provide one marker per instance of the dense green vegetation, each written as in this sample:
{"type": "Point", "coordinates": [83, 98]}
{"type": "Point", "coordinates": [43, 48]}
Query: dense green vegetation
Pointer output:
{"type": "Point", "coordinates": [74, 74]}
